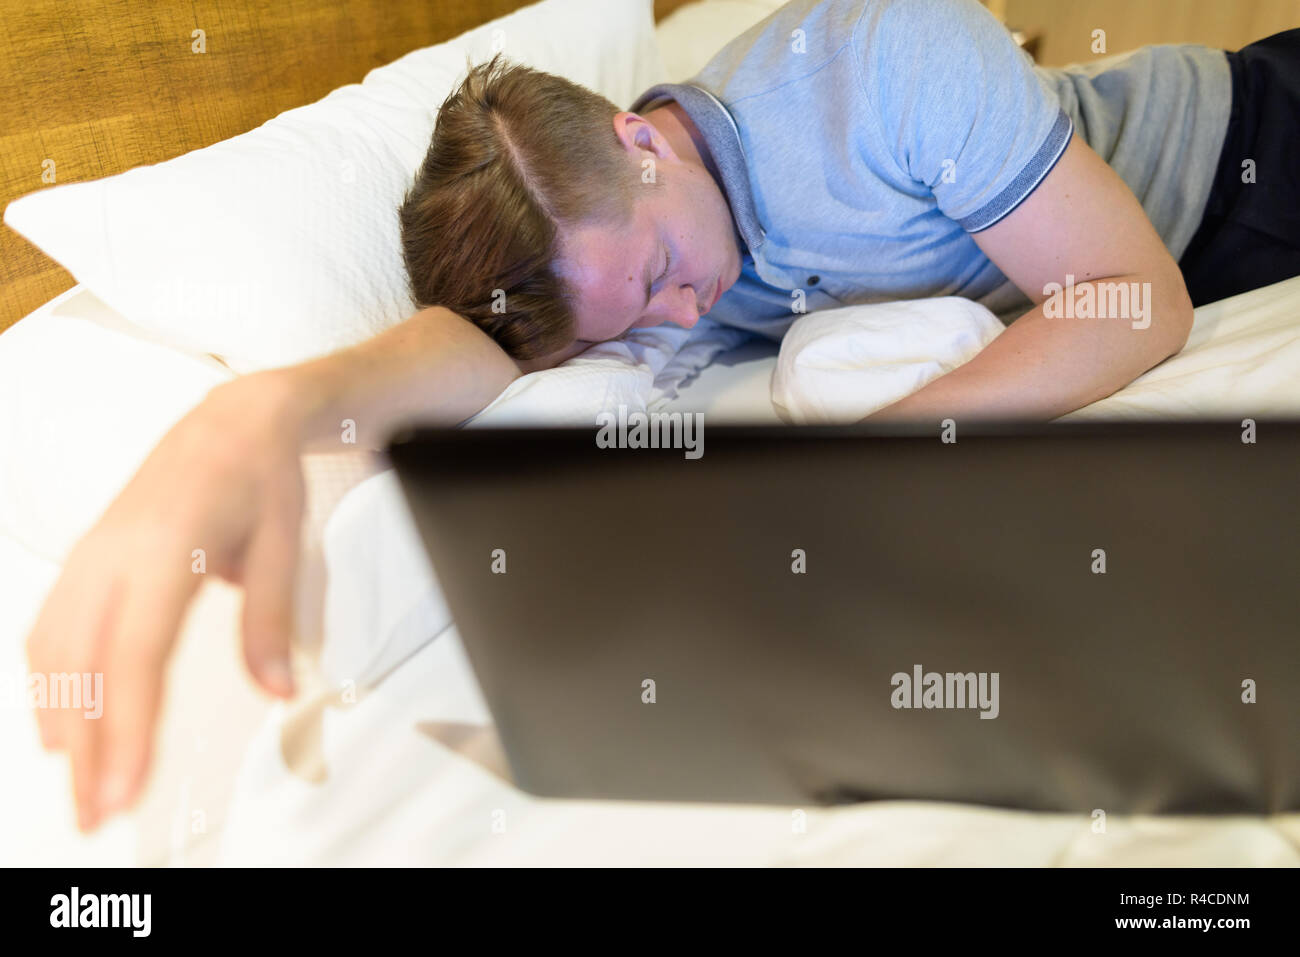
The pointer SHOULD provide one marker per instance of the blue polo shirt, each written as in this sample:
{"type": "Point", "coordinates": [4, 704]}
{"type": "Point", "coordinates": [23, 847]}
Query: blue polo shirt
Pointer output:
{"type": "Point", "coordinates": [861, 143]}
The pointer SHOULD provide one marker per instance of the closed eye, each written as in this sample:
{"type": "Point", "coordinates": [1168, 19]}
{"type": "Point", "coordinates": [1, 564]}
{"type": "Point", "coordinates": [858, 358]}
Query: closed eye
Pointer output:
{"type": "Point", "coordinates": [668, 262]}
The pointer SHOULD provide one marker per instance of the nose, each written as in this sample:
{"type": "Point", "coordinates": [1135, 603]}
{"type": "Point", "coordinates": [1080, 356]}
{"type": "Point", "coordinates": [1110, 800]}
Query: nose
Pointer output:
{"type": "Point", "coordinates": [681, 309]}
{"type": "Point", "coordinates": [686, 308]}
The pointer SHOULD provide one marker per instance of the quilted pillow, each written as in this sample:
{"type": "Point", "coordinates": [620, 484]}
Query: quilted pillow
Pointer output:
{"type": "Point", "coordinates": [282, 244]}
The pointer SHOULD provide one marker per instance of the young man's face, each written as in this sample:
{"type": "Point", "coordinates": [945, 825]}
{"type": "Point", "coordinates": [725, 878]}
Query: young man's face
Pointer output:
{"type": "Point", "coordinates": [681, 243]}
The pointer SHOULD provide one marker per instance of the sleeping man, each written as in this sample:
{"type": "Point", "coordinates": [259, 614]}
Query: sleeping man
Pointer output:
{"type": "Point", "coordinates": [838, 152]}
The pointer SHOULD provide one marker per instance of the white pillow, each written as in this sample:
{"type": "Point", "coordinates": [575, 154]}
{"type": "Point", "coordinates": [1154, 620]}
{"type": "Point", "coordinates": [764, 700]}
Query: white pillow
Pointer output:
{"type": "Point", "coordinates": [282, 244]}
{"type": "Point", "coordinates": [84, 403]}
{"type": "Point", "coordinates": [640, 369]}
{"type": "Point", "coordinates": [839, 365]}
{"type": "Point", "coordinates": [691, 35]}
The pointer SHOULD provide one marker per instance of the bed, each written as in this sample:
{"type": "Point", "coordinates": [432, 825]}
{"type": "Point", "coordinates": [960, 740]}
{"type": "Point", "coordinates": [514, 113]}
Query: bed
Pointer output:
{"type": "Point", "coordinates": [394, 762]}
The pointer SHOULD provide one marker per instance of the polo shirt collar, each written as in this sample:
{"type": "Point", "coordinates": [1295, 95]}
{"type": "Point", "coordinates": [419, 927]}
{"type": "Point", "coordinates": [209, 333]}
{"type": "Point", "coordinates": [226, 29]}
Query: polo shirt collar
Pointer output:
{"type": "Point", "coordinates": [722, 136]}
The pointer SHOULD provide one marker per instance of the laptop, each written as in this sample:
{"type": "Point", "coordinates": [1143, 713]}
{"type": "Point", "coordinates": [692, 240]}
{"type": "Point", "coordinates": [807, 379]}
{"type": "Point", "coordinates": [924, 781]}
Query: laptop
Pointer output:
{"type": "Point", "coordinates": [1064, 617]}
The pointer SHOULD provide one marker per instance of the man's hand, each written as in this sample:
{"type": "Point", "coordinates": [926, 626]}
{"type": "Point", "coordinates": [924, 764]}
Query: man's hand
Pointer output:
{"type": "Point", "coordinates": [226, 479]}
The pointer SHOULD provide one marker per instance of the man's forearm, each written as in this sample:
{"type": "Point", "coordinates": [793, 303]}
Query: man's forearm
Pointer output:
{"type": "Point", "coordinates": [1042, 367]}
{"type": "Point", "coordinates": [434, 368]}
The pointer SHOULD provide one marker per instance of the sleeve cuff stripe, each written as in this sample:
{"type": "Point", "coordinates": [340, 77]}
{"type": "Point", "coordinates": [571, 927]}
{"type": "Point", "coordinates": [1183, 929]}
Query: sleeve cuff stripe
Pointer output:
{"type": "Point", "coordinates": [1027, 180]}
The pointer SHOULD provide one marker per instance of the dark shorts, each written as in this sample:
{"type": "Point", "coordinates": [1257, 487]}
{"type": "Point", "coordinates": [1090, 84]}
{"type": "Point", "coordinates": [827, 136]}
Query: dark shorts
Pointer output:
{"type": "Point", "coordinates": [1250, 233]}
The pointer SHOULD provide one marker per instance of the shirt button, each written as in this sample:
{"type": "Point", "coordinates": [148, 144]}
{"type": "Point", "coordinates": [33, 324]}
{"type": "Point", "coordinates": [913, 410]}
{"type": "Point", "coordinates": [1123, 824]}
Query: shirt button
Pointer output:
{"type": "Point", "coordinates": [814, 280]}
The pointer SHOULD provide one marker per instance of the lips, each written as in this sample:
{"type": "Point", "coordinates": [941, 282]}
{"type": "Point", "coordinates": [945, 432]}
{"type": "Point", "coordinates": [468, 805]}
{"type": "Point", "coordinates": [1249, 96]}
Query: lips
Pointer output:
{"type": "Point", "coordinates": [717, 294]}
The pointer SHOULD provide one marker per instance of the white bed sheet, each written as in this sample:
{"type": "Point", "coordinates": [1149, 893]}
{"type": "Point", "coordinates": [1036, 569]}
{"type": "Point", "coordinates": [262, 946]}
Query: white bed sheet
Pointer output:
{"type": "Point", "coordinates": [71, 359]}
{"type": "Point", "coordinates": [411, 772]}
{"type": "Point", "coordinates": [210, 711]}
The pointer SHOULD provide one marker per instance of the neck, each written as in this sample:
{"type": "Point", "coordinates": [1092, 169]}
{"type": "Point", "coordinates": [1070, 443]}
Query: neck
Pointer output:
{"type": "Point", "coordinates": [684, 136]}
{"type": "Point", "coordinates": [688, 142]}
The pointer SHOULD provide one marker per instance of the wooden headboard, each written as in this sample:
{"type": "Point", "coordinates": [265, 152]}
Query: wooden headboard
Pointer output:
{"type": "Point", "coordinates": [91, 88]}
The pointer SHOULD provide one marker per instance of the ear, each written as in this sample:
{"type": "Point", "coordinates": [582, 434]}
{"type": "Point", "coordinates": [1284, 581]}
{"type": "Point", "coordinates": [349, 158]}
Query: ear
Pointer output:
{"type": "Point", "coordinates": [638, 135]}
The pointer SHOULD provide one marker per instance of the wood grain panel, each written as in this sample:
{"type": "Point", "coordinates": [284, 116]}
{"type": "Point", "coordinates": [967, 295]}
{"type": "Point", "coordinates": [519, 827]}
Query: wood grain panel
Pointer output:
{"type": "Point", "coordinates": [1067, 28]}
{"type": "Point", "coordinates": [101, 86]}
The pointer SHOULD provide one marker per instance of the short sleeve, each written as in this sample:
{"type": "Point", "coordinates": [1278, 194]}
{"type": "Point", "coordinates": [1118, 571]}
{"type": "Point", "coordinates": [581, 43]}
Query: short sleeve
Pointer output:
{"type": "Point", "coordinates": [960, 106]}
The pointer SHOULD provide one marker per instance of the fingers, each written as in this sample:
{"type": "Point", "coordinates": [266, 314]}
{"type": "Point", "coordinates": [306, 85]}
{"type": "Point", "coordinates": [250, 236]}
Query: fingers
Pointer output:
{"type": "Point", "coordinates": [42, 652]}
{"type": "Point", "coordinates": [270, 568]}
{"type": "Point", "coordinates": [134, 667]}
{"type": "Point", "coordinates": [99, 650]}
{"type": "Point", "coordinates": [67, 673]}
{"type": "Point", "coordinates": [61, 646]}
{"type": "Point", "coordinates": [79, 726]}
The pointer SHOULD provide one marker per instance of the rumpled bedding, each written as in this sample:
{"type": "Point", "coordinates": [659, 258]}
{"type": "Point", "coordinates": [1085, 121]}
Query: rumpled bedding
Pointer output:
{"type": "Point", "coordinates": [391, 755]}
{"type": "Point", "coordinates": [388, 755]}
